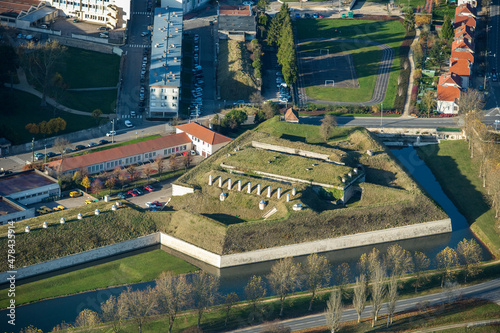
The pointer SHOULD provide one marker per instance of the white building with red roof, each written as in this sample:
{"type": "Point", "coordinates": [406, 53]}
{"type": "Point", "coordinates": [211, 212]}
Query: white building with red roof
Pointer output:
{"type": "Point", "coordinates": [448, 93]}
{"type": "Point", "coordinates": [205, 141]}
{"type": "Point", "coordinates": [461, 68]}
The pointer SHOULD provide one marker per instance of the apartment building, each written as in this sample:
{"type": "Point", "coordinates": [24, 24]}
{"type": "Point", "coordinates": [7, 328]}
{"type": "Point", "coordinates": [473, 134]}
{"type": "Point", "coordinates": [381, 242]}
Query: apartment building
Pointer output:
{"type": "Point", "coordinates": [165, 66]}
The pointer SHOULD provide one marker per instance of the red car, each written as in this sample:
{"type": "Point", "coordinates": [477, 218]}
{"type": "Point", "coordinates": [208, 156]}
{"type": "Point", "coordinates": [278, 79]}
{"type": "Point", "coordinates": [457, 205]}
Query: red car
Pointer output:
{"type": "Point", "coordinates": [320, 15]}
{"type": "Point", "coordinates": [149, 188]}
{"type": "Point", "coordinates": [132, 193]}
{"type": "Point", "coordinates": [157, 203]}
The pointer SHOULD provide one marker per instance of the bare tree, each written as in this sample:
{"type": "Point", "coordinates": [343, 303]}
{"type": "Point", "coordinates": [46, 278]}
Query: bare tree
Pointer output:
{"type": "Point", "coordinates": [378, 292]}
{"type": "Point", "coordinates": [369, 262]}
{"type": "Point", "coordinates": [160, 165]}
{"type": "Point", "coordinates": [173, 294]}
{"type": "Point", "coordinates": [470, 255]}
{"type": "Point", "coordinates": [87, 319]}
{"type": "Point", "coordinates": [317, 274]}
{"type": "Point", "coordinates": [255, 290]}
{"type": "Point", "coordinates": [39, 60]}
{"type": "Point", "coordinates": [420, 263]}
{"type": "Point", "coordinates": [342, 274]}
{"type": "Point", "coordinates": [360, 295]}
{"type": "Point", "coordinates": [148, 171]}
{"type": "Point", "coordinates": [230, 300]}
{"type": "Point", "coordinates": [398, 261]}
{"type": "Point", "coordinates": [110, 183]}
{"type": "Point", "coordinates": [187, 159]}
{"type": "Point", "coordinates": [112, 311]}
{"type": "Point", "coordinates": [138, 305]}
{"type": "Point", "coordinates": [284, 279]}
{"type": "Point", "coordinates": [446, 261]}
{"type": "Point", "coordinates": [173, 163]}
{"type": "Point", "coordinates": [276, 328]}
{"type": "Point", "coordinates": [328, 123]}
{"type": "Point", "coordinates": [392, 298]}
{"type": "Point", "coordinates": [334, 309]}
{"type": "Point", "coordinates": [133, 172]}
{"type": "Point", "coordinates": [205, 288]}
{"type": "Point", "coordinates": [470, 101]}
{"type": "Point", "coordinates": [59, 145]}
{"type": "Point", "coordinates": [469, 122]}
{"type": "Point", "coordinates": [257, 99]}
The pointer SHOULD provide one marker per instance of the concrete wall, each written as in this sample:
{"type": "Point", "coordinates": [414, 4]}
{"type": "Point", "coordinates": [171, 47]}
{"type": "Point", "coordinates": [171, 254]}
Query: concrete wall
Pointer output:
{"type": "Point", "coordinates": [178, 190]}
{"type": "Point", "coordinates": [293, 151]}
{"type": "Point", "coordinates": [361, 239]}
{"type": "Point", "coordinates": [84, 44]}
{"type": "Point", "coordinates": [306, 248]}
{"type": "Point", "coordinates": [83, 257]}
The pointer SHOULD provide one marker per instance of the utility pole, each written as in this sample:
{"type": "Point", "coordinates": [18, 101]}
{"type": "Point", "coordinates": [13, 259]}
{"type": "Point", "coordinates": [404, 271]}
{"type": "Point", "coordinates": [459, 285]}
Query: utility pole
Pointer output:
{"type": "Point", "coordinates": [33, 150]}
{"type": "Point", "coordinates": [113, 131]}
{"type": "Point", "coordinates": [381, 113]}
{"type": "Point", "coordinates": [45, 156]}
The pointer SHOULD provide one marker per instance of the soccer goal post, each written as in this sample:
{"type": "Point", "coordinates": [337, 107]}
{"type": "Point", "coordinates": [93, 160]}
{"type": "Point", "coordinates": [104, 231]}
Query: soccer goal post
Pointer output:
{"type": "Point", "coordinates": [321, 51]}
{"type": "Point", "coordinates": [329, 82]}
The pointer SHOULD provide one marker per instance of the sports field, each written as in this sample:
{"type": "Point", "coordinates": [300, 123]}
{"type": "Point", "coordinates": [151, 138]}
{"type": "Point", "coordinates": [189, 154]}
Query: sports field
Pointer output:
{"type": "Point", "coordinates": [366, 58]}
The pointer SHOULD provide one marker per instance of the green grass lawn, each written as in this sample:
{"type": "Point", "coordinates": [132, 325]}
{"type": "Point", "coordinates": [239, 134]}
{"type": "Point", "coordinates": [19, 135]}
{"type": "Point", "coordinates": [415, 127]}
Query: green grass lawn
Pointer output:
{"type": "Point", "coordinates": [88, 69]}
{"type": "Point", "coordinates": [26, 109]}
{"type": "Point", "coordinates": [138, 268]}
{"type": "Point", "coordinates": [443, 10]}
{"type": "Point", "coordinates": [391, 33]}
{"type": "Point", "coordinates": [90, 100]}
{"type": "Point", "coordinates": [457, 173]}
{"type": "Point", "coordinates": [366, 61]}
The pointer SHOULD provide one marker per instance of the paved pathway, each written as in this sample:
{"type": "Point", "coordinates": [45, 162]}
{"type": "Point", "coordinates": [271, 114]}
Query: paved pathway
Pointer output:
{"type": "Point", "coordinates": [384, 72]}
{"type": "Point", "coordinates": [406, 112]}
{"type": "Point", "coordinates": [23, 85]}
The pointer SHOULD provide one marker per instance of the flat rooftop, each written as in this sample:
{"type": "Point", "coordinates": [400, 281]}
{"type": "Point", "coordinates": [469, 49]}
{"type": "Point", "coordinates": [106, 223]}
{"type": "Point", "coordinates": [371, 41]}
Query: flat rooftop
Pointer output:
{"type": "Point", "coordinates": [7, 208]}
{"type": "Point", "coordinates": [23, 181]}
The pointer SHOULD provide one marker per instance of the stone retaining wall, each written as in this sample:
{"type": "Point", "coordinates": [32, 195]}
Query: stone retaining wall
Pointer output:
{"type": "Point", "coordinates": [178, 190]}
{"type": "Point", "coordinates": [294, 151]}
{"type": "Point", "coordinates": [231, 260]}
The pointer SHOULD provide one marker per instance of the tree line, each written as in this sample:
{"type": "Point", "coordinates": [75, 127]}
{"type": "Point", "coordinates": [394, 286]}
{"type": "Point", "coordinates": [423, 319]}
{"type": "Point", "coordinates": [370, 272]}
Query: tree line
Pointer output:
{"type": "Point", "coordinates": [280, 34]}
{"type": "Point", "coordinates": [375, 284]}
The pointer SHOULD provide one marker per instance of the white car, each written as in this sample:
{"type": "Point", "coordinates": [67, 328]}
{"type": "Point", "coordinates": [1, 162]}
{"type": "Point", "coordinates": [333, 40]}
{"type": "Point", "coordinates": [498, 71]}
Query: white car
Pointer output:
{"type": "Point", "coordinates": [133, 113]}
{"type": "Point", "coordinates": [111, 133]}
{"type": "Point", "coordinates": [248, 3]}
{"type": "Point", "coordinates": [128, 123]}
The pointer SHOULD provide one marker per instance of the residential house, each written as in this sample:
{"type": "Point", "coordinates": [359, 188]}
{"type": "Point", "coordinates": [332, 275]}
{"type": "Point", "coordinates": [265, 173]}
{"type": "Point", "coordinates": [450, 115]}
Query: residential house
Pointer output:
{"type": "Point", "coordinates": [472, 3]}
{"type": "Point", "coordinates": [465, 20]}
{"type": "Point", "coordinates": [236, 22]}
{"type": "Point", "coordinates": [463, 69]}
{"type": "Point", "coordinates": [107, 160]}
{"type": "Point", "coordinates": [291, 116]}
{"type": "Point", "coordinates": [465, 10]}
{"type": "Point", "coordinates": [205, 141]}
{"type": "Point", "coordinates": [448, 93]}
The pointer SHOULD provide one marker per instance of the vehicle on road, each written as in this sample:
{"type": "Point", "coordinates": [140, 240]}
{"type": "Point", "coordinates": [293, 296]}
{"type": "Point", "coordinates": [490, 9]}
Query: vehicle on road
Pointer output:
{"type": "Point", "coordinates": [494, 78]}
{"type": "Point", "coordinates": [75, 194]}
{"type": "Point", "coordinates": [103, 142]}
{"type": "Point", "coordinates": [111, 133]}
{"type": "Point", "coordinates": [67, 150]}
{"type": "Point", "coordinates": [92, 144]}
{"type": "Point", "coordinates": [133, 113]}
{"type": "Point", "coordinates": [103, 35]}
{"type": "Point", "coordinates": [240, 102]}
{"type": "Point", "coordinates": [128, 123]}
{"type": "Point", "coordinates": [297, 15]}
{"type": "Point", "coordinates": [145, 33]}
{"type": "Point", "coordinates": [80, 147]}
{"type": "Point", "coordinates": [102, 28]}
{"type": "Point", "coordinates": [139, 192]}
{"type": "Point", "coordinates": [51, 154]}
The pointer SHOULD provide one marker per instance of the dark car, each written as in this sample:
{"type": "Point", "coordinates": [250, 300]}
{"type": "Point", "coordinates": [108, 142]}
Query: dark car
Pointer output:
{"type": "Point", "coordinates": [122, 195]}
{"type": "Point", "coordinates": [92, 144]}
{"type": "Point", "coordinates": [79, 147]}
{"type": "Point", "coordinates": [139, 192]}
{"type": "Point", "coordinates": [103, 142]}
{"type": "Point", "coordinates": [307, 15]}
{"type": "Point", "coordinates": [51, 154]}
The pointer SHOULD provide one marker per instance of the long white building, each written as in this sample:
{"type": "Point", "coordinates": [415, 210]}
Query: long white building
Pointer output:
{"type": "Point", "coordinates": [111, 13]}
{"type": "Point", "coordinates": [165, 65]}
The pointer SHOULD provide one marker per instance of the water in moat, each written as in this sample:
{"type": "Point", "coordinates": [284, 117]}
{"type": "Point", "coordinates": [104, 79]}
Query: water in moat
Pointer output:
{"type": "Point", "coordinates": [46, 314]}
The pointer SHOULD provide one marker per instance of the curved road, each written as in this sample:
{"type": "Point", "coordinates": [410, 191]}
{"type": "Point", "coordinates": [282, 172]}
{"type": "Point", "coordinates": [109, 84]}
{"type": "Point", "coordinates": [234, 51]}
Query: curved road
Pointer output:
{"type": "Point", "coordinates": [384, 72]}
{"type": "Point", "coordinates": [489, 290]}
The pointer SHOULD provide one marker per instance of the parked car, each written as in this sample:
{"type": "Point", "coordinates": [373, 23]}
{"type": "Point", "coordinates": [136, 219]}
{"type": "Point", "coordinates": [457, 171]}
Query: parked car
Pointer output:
{"type": "Point", "coordinates": [145, 33]}
{"type": "Point", "coordinates": [67, 150]}
{"type": "Point", "coordinates": [240, 102]}
{"type": "Point", "coordinates": [149, 188]}
{"type": "Point", "coordinates": [157, 203]}
{"type": "Point", "coordinates": [44, 26]}
{"type": "Point", "coordinates": [122, 195]}
{"type": "Point", "coordinates": [103, 142]}
{"type": "Point", "coordinates": [59, 207]}
{"type": "Point", "coordinates": [51, 154]}
{"type": "Point", "coordinates": [79, 147]}
{"type": "Point", "coordinates": [297, 15]}
{"type": "Point", "coordinates": [75, 194]}
{"type": "Point", "coordinates": [111, 133]}
{"type": "Point", "coordinates": [133, 193]}
{"type": "Point", "coordinates": [92, 144]}
{"type": "Point", "coordinates": [315, 15]}
{"type": "Point", "coordinates": [139, 192]}
{"type": "Point", "coordinates": [494, 78]}
{"type": "Point", "coordinates": [133, 114]}
{"type": "Point", "coordinates": [307, 15]}
{"type": "Point", "coordinates": [103, 35]}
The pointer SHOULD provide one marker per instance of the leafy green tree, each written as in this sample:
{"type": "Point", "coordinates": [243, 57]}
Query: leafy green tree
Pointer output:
{"type": "Point", "coordinates": [429, 101]}
{"type": "Point", "coordinates": [447, 30]}
{"type": "Point", "coordinates": [229, 302]}
{"type": "Point", "coordinates": [262, 5]}
{"type": "Point", "coordinates": [409, 20]}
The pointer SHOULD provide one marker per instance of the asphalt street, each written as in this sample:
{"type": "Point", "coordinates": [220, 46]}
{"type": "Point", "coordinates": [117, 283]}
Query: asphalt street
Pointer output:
{"type": "Point", "coordinates": [488, 290]}
{"type": "Point", "coordinates": [492, 110]}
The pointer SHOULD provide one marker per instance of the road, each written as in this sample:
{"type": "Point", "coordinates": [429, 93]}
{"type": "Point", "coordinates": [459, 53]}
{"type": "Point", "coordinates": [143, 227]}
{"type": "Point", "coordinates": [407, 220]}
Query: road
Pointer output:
{"type": "Point", "coordinates": [488, 290]}
{"type": "Point", "coordinates": [492, 110]}
{"type": "Point", "coordinates": [386, 122]}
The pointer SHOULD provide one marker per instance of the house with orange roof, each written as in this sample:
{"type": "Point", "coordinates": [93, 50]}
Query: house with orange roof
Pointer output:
{"type": "Point", "coordinates": [464, 32]}
{"type": "Point", "coordinates": [461, 68]}
{"type": "Point", "coordinates": [204, 141]}
{"type": "Point", "coordinates": [457, 55]}
{"type": "Point", "coordinates": [448, 93]}
{"type": "Point", "coordinates": [291, 116]}
{"type": "Point", "coordinates": [465, 20]}
{"type": "Point", "coordinates": [123, 156]}
{"type": "Point", "coordinates": [463, 44]}
{"type": "Point", "coordinates": [465, 10]}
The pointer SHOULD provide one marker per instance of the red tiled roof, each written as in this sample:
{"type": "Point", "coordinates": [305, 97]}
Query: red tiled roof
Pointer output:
{"type": "Point", "coordinates": [465, 9]}
{"type": "Point", "coordinates": [83, 161]}
{"type": "Point", "coordinates": [456, 55]}
{"type": "Point", "coordinates": [460, 67]}
{"type": "Point", "coordinates": [450, 78]}
{"type": "Point", "coordinates": [462, 44]}
{"type": "Point", "coordinates": [465, 20]}
{"type": "Point", "coordinates": [290, 115]}
{"type": "Point", "coordinates": [234, 10]}
{"type": "Point", "coordinates": [449, 94]}
{"type": "Point", "coordinates": [464, 31]}
{"type": "Point", "coordinates": [203, 133]}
